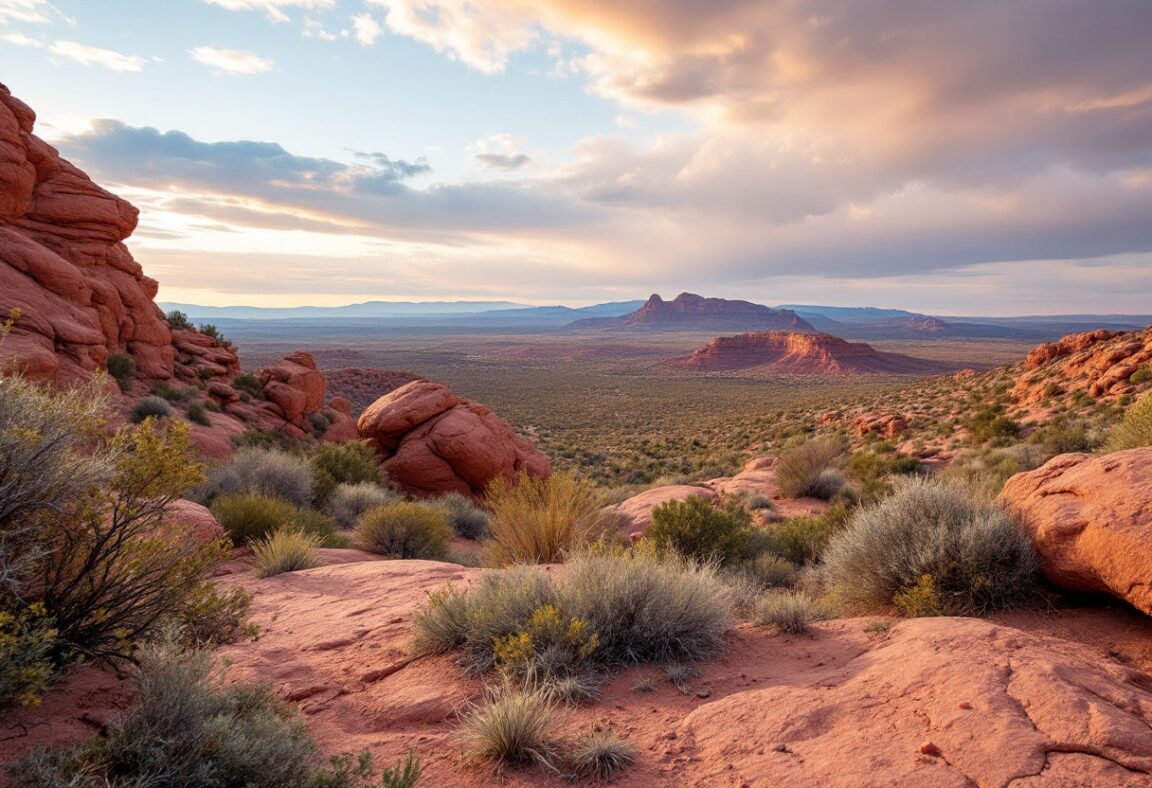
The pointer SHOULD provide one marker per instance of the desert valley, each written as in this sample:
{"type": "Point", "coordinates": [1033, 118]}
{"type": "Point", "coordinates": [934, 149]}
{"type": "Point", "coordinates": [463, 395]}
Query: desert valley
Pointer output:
{"type": "Point", "coordinates": [671, 539]}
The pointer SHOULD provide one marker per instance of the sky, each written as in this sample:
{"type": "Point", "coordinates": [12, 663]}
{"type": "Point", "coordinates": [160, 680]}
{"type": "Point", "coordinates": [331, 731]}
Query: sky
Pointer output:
{"type": "Point", "coordinates": [986, 157]}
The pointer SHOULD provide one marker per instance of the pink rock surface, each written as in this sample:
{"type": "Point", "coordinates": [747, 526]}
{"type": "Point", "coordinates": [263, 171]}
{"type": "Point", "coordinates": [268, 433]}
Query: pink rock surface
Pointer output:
{"type": "Point", "coordinates": [195, 518]}
{"type": "Point", "coordinates": [1091, 520]}
{"type": "Point", "coordinates": [430, 442]}
{"type": "Point", "coordinates": [635, 514]}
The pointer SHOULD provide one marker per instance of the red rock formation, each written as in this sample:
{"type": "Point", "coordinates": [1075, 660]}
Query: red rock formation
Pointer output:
{"type": "Point", "coordinates": [62, 264]}
{"type": "Point", "coordinates": [362, 386]}
{"type": "Point", "coordinates": [692, 312]}
{"type": "Point", "coordinates": [1098, 363]}
{"type": "Point", "coordinates": [788, 352]}
{"type": "Point", "coordinates": [431, 442]}
{"type": "Point", "coordinates": [1091, 520]}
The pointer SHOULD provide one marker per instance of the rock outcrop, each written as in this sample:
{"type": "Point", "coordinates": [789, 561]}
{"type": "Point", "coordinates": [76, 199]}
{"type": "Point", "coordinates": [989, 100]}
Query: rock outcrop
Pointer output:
{"type": "Point", "coordinates": [790, 352]}
{"type": "Point", "coordinates": [430, 442]}
{"type": "Point", "coordinates": [692, 312]}
{"type": "Point", "coordinates": [1099, 363]}
{"type": "Point", "coordinates": [80, 294]}
{"type": "Point", "coordinates": [1091, 519]}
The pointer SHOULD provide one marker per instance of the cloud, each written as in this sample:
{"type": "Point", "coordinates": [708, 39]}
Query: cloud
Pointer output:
{"type": "Point", "coordinates": [94, 56]}
{"type": "Point", "coordinates": [273, 9]}
{"type": "Point", "coordinates": [231, 61]}
{"type": "Point", "coordinates": [365, 29]}
{"type": "Point", "coordinates": [33, 11]}
{"type": "Point", "coordinates": [503, 161]}
{"type": "Point", "coordinates": [21, 40]}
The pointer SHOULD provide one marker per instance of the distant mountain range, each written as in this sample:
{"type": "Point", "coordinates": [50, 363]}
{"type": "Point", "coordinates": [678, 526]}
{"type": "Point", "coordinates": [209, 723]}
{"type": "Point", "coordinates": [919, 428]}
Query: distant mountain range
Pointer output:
{"type": "Point", "coordinates": [686, 312]}
{"type": "Point", "coordinates": [689, 311]}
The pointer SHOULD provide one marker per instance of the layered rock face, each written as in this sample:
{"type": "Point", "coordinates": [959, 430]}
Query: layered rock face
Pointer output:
{"type": "Point", "coordinates": [431, 442]}
{"type": "Point", "coordinates": [62, 264]}
{"type": "Point", "coordinates": [1100, 363]}
{"type": "Point", "coordinates": [689, 311]}
{"type": "Point", "coordinates": [1091, 520]}
{"type": "Point", "coordinates": [789, 352]}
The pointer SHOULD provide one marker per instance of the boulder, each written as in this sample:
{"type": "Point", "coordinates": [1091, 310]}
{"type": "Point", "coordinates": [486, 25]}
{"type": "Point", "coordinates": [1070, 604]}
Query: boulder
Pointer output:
{"type": "Point", "coordinates": [194, 518]}
{"type": "Point", "coordinates": [1091, 520]}
{"type": "Point", "coordinates": [431, 442]}
{"type": "Point", "coordinates": [296, 386]}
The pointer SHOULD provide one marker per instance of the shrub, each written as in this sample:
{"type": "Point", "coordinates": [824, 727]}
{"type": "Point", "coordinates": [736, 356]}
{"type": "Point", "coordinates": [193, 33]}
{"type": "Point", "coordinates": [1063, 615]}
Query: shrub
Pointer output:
{"type": "Point", "coordinates": [976, 557]}
{"type": "Point", "coordinates": [757, 501]}
{"type": "Point", "coordinates": [150, 407]}
{"type": "Point", "coordinates": [178, 321]}
{"type": "Point", "coordinates": [166, 390]}
{"type": "Point", "coordinates": [52, 453]}
{"type": "Point", "coordinates": [1135, 428]}
{"type": "Point", "coordinates": [538, 521]}
{"type": "Point", "coordinates": [769, 570]}
{"type": "Point", "coordinates": [405, 530]}
{"type": "Point", "coordinates": [694, 528]}
{"type": "Point", "coordinates": [549, 646]}
{"type": "Point", "coordinates": [600, 755]}
{"type": "Point", "coordinates": [285, 551]}
{"type": "Point", "coordinates": [348, 501]}
{"type": "Point", "coordinates": [26, 643]}
{"type": "Point", "coordinates": [122, 368]}
{"type": "Point", "coordinates": [197, 414]}
{"type": "Point", "coordinates": [249, 518]}
{"type": "Point", "coordinates": [191, 729]}
{"type": "Point", "coordinates": [1062, 435]}
{"type": "Point", "coordinates": [344, 463]}
{"type": "Point", "coordinates": [267, 472]}
{"type": "Point", "coordinates": [209, 617]}
{"type": "Point", "coordinates": [644, 608]}
{"type": "Point", "coordinates": [468, 520]}
{"type": "Point", "coordinates": [808, 471]}
{"type": "Point", "coordinates": [403, 774]}
{"type": "Point", "coordinates": [249, 384]}
{"type": "Point", "coordinates": [801, 540]}
{"type": "Point", "coordinates": [788, 611]}
{"type": "Point", "coordinates": [872, 470]}
{"type": "Point", "coordinates": [990, 424]}
{"type": "Point", "coordinates": [511, 727]}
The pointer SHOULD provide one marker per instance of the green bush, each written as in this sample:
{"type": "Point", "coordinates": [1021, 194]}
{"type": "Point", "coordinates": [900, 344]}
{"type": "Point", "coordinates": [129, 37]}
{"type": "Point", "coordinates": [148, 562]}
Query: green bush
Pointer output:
{"type": "Point", "coordinates": [122, 368]}
{"type": "Point", "coordinates": [1063, 435]}
{"type": "Point", "coordinates": [249, 518]}
{"type": "Point", "coordinates": [405, 530]}
{"type": "Point", "coordinates": [468, 520]}
{"type": "Point", "coordinates": [1141, 375]}
{"type": "Point", "coordinates": [249, 384]}
{"type": "Point", "coordinates": [1135, 428]}
{"type": "Point", "coordinates": [872, 471]}
{"type": "Point", "coordinates": [349, 501]}
{"type": "Point", "coordinates": [801, 540]}
{"type": "Point", "coordinates": [197, 414]}
{"type": "Point", "coordinates": [989, 424]}
{"type": "Point", "coordinates": [191, 729]}
{"type": "Point", "coordinates": [975, 556]}
{"type": "Point", "coordinates": [286, 550]}
{"type": "Point", "coordinates": [344, 463]}
{"type": "Point", "coordinates": [809, 470]}
{"type": "Point", "coordinates": [150, 407]}
{"type": "Point", "coordinates": [788, 611]}
{"type": "Point", "coordinates": [538, 521]}
{"type": "Point", "coordinates": [166, 390]}
{"type": "Point", "coordinates": [403, 774]}
{"type": "Point", "coordinates": [694, 528]}
{"type": "Point", "coordinates": [268, 472]}
{"type": "Point", "coordinates": [27, 640]}
{"type": "Point", "coordinates": [178, 321]}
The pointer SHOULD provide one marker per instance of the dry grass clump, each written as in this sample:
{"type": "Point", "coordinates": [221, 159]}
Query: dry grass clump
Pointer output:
{"type": "Point", "coordinates": [285, 550]}
{"type": "Point", "coordinates": [600, 755]}
{"type": "Point", "coordinates": [349, 501]}
{"type": "Point", "coordinates": [405, 530]}
{"type": "Point", "coordinates": [975, 557]}
{"type": "Point", "coordinates": [250, 518]}
{"type": "Point", "coordinates": [255, 471]}
{"type": "Point", "coordinates": [539, 521]}
{"type": "Point", "coordinates": [512, 727]}
{"type": "Point", "coordinates": [1135, 428]}
{"type": "Point", "coordinates": [810, 470]}
{"type": "Point", "coordinates": [788, 611]}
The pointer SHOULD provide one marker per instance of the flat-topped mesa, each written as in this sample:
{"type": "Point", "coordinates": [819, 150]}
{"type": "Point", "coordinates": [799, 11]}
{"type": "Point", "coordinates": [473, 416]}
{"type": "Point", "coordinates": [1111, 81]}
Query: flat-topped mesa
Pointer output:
{"type": "Point", "coordinates": [790, 352]}
{"type": "Point", "coordinates": [689, 311]}
{"type": "Point", "coordinates": [80, 294]}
